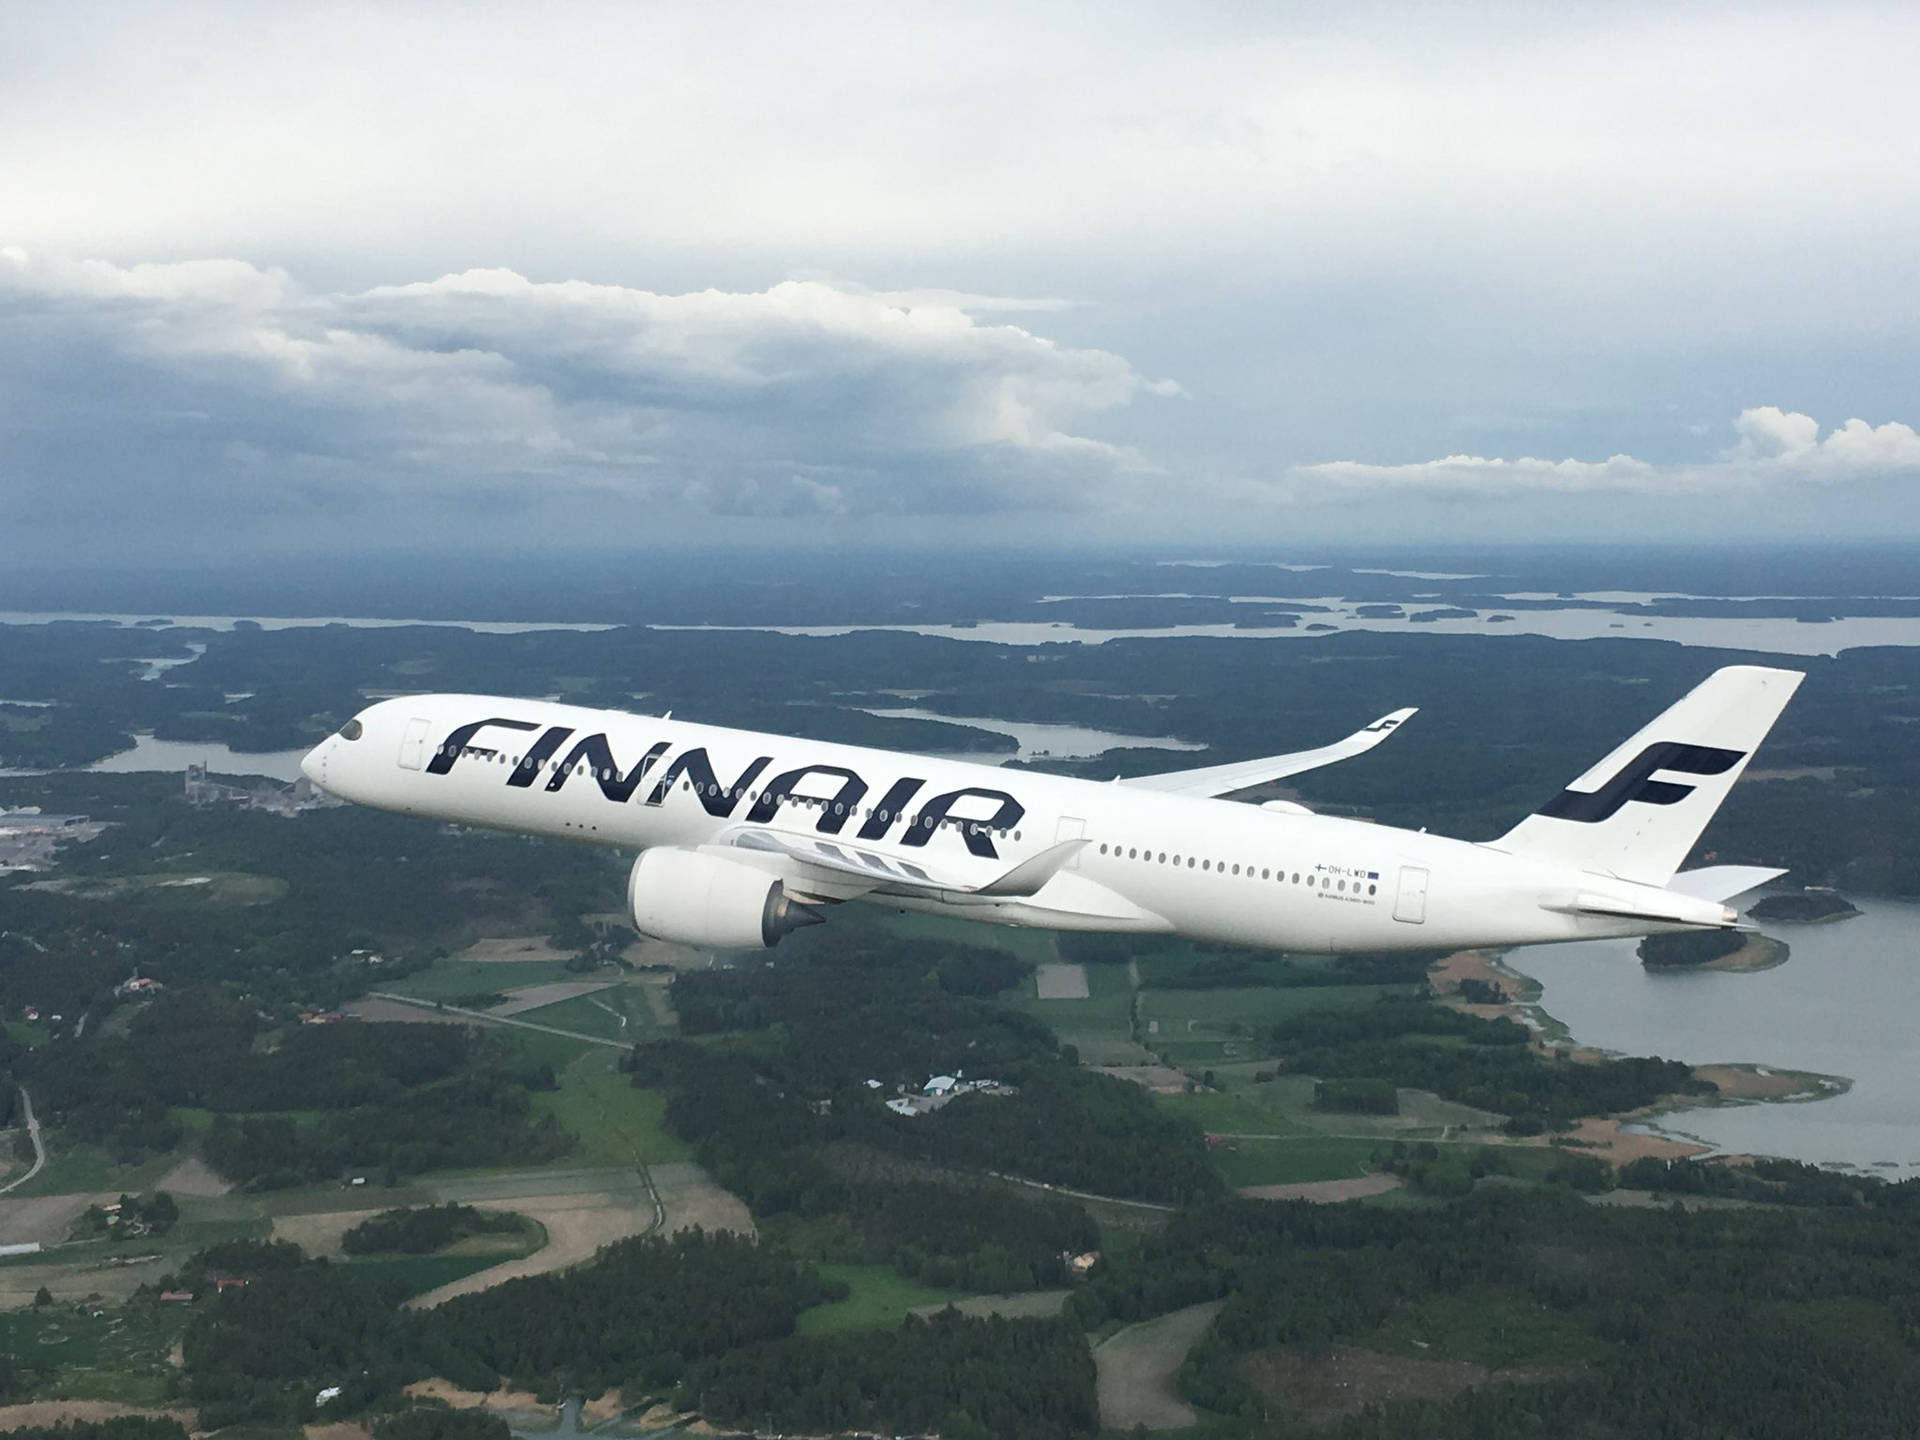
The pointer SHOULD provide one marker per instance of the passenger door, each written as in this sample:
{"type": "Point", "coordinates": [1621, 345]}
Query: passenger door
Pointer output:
{"type": "Point", "coordinates": [1410, 901]}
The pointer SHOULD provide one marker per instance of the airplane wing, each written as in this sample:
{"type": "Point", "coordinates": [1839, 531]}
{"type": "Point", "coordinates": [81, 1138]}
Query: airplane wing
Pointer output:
{"type": "Point", "coordinates": [845, 861]}
{"type": "Point", "coordinates": [1218, 780]}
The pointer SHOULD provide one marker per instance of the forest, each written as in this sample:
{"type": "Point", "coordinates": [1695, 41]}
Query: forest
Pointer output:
{"type": "Point", "coordinates": [393, 1099]}
{"type": "Point", "coordinates": [704, 1319]}
{"type": "Point", "coordinates": [843, 1009]}
{"type": "Point", "coordinates": [1768, 1323]}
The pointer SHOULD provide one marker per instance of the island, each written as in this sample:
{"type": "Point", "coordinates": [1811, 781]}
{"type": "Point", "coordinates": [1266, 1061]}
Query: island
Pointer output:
{"type": "Point", "coordinates": [1712, 950]}
{"type": "Point", "coordinates": [1807, 907]}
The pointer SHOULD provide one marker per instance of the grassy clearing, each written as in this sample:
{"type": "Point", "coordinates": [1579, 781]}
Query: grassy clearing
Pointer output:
{"type": "Point", "coordinates": [879, 1298]}
{"type": "Point", "coordinates": [1489, 1327]}
{"type": "Point", "coordinates": [1034, 946]}
{"type": "Point", "coordinates": [537, 1049]}
{"type": "Point", "coordinates": [614, 1123]}
{"type": "Point", "coordinates": [601, 1014]}
{"type": "Point", "coordinates": [1294, 1161]}
{"type": "Point", "coordinates": [1208, 1027]}
{"type": "Point", "coordinates": [71, 1168]}
{"type": "Point", "coordinates": [417, 1274]}
{"type": "Point", "coordinates": [1230, 1114]}
{"type": "Point", "coordinates": [1100, 1026]}
{"type": "Point", "coordinates": [121, 1355]}
{"type": "Point", "coordinates": [450, 979]}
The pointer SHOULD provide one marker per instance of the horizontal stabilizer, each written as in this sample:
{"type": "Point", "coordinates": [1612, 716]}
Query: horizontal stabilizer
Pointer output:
{"type": "Point", "coordinates": [1662, 906]}
{"type": "Point", "coordinates": [1722, 882]}
{"type": "Point", "coordinates": [1215, 780]}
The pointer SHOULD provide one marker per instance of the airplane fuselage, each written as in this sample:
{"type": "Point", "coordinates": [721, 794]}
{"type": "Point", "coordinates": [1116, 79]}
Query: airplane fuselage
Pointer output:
{"type": "Point", "coordinates": [933, 831]}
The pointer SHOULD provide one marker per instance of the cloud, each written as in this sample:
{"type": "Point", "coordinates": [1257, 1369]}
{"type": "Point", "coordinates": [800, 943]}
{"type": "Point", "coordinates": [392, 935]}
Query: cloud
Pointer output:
{"type": "Point", "coordinates": [1774, 448]}
{"type": "Point", "coordinates": [220, 379]}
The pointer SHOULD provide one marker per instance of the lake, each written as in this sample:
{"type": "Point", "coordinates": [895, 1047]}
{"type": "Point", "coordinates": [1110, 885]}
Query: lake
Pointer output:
{"type": "Point", "coordinates": [1769, 636]}
{"type": "Point", "coordinates": [1845, 1004]}
{"type": "Point", "coordinates": [150, 754]}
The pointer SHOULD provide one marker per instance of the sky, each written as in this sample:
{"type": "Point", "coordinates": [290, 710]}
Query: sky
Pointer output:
{"type": "Point", "coordinates": [472, 277]}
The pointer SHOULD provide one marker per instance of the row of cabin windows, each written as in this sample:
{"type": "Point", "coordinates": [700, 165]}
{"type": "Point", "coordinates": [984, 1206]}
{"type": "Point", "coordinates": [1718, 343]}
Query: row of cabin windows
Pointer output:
{"type": "Point", "coordinates": [973, 827]}
{"type": "Point", "coordinates": [1265, 873]}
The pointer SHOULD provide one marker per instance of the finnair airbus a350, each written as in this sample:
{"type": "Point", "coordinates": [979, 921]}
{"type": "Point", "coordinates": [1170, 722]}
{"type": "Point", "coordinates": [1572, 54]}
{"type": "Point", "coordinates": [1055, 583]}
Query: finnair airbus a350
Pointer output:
{"type": "Point", "coordinates": [744, 837]}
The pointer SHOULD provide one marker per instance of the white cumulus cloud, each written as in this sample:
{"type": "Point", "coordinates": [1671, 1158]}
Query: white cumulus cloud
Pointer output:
{"type": "Point", "coordinates": [219, 378]}
{"type": "Point", "coordinates": [1773, 448]}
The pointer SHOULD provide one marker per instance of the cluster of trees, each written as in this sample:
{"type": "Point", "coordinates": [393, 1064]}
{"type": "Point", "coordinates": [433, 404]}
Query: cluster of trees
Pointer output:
{"type": "Point", "coordinates": [966, 1379]}
{"type": "Point", "coordinates": [153, 1214]}
{"type": "Point", "coordinates": [1071, 1127]}
{"type": "Point", "coordinates": [440, 1422]}
{"type": "Point", "coordinates": [1361, 1095]}
{"type": "Point", "coordinates": [423, 1229]}
{"type": "Point", "coordinates": [637, 1315]}
{"type": "Point", "coordinates": [1484, 1063]}
{"type": "Point", "coordinates": [1453, 1170]}
{"type": "Point", "coordinates": [1773, 1182]}
{"type": "Point", "coordinates": [1695, 947]}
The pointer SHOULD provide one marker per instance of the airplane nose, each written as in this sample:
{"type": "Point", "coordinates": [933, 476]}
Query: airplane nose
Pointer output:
{"type": "Point", "coordinates": [311, 764]}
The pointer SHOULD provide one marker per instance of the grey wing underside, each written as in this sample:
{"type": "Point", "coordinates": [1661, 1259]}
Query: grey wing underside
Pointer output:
{"type": "Point", "coordinates": [1217, 780]}
{"type": "Point", "coordinates": [846, 862]}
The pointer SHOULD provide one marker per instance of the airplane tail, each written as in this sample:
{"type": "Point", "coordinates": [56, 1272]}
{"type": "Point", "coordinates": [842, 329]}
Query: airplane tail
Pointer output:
{"type": "Point", "coordinates": [1637, 813]}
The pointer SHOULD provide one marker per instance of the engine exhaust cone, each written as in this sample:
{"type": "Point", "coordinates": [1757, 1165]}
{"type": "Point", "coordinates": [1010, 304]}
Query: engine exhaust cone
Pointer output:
{"type": "Point", "coordinates": [783, 916]}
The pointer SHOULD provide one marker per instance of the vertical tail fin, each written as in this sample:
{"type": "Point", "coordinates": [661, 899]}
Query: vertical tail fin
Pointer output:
{"type": "Point", "coordinates": [1636, 814]}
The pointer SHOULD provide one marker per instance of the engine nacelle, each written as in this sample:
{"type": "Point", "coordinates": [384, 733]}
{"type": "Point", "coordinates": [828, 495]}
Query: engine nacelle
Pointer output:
{"type": "Point", "coordinates": [698, 899]}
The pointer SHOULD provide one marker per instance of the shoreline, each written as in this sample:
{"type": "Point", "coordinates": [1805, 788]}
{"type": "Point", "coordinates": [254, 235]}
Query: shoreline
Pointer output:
{"type": "Point", "coordinates": [1635, 1134]}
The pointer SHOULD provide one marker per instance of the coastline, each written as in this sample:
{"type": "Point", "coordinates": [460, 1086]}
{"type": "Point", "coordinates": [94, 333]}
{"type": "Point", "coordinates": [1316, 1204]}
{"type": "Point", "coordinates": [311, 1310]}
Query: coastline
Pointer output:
{"type": "Point", "coordinates": [1636, 1134]}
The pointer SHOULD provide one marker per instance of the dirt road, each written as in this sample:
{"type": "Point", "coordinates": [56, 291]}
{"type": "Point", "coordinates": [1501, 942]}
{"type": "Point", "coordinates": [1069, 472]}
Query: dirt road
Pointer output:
{"type": "Point", "coordinates": [1136, 1369]}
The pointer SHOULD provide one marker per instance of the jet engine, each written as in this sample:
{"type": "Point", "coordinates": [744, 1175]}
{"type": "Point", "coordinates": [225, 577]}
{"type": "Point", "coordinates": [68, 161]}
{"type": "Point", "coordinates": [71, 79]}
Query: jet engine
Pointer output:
{"type": "Point", "coordinates": [694, 898]}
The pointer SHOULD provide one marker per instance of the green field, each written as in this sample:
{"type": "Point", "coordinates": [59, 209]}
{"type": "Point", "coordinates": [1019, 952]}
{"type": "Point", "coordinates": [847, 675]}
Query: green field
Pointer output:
{"type": "Point", "coordinates": [72, 1167]}
{"type": "Point", "coordinates": [1205, 1027]}
{"type": "Point", "coordinates": [417, 1274]}
{"type": "Point", "coordinates": [589, 1015]}
{"type": "Point", "coordinates": [121, 1355]}
{"type": "Point", "coordinates": [1231, 1114]}
{"type": "Point", "coordinates": [614, 1123]}
{"type": "Point", "coordinates": [880, 1298]}
{"type": "Point", "coordinates": [451, 979]}
{"type": "Point", "coordinates": [1035, 946]}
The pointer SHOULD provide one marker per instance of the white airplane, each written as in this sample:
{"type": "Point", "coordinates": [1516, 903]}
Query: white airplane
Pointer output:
{"type": "Point", "coordinates": [744, 837]}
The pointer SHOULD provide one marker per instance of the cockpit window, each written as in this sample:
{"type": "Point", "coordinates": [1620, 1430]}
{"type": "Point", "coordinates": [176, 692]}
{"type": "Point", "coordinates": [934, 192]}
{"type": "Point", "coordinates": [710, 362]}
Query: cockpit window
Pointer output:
{"type": "Point", "coordinates": [352, 730]}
